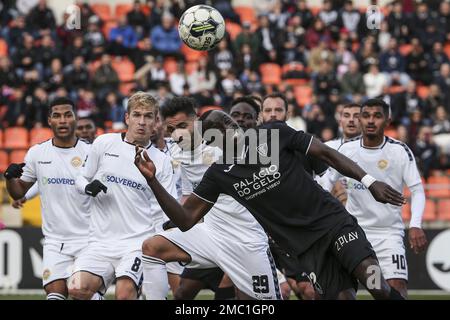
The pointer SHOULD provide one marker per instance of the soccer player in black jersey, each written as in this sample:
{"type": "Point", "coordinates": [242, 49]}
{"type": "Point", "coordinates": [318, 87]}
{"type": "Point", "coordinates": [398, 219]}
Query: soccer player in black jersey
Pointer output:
{"type": "Point", "coordinates": [299, 215]}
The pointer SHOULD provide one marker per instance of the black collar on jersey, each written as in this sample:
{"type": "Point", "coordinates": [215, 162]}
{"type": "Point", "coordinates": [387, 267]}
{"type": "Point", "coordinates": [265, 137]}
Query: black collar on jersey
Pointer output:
{"type": "Point", "coordinates": [123, 139]}
{"type": "Point", "coordinates": [66, 147]}
{"type": "Point", "coordinates": [377, 147]}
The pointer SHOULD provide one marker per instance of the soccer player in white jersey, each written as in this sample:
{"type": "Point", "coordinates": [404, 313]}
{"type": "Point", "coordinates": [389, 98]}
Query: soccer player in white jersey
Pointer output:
{"type": "Point", "coordinates": [349, 123]}
{"type": "Point", "coordinates": [85, 130]}
{"type": "Point", "coordinates": [53, 165]}
{"type": "Point", "coordinates": [390, 161]}
{"type": "Point", "coordinates": [229, 238]}
{"type": "Point", "coordinates": [122, 217]}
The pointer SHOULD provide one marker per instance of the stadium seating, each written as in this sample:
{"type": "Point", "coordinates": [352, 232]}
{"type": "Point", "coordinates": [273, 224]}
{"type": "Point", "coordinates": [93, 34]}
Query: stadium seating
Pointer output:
{"type": "Point", "coordinates": [4, 160]}
{"type": "Point", "coordinates": [247, 14]}
{"type": "Point", "coordinates": [16, 138]}
{"type": "Point", "coordinates": [192, 55]}
{"type": "Point", "coordinates": [430, 210]}
{"type": "Point", "coordinates": [17, 156]}
{"type": "Point", "coordinates": [122, 9]}
{"type": "Point", "coordinates": [107, 26]}
{"type": "Point", "coordinates": [3, 48]}
{"type": "Point", "coordinates": [103, 10]}
{"type": "Point", "coordinates": [270, 73]}
{"type": "Point", "coordinates": [423, 91]}
{"type": "Point", "coordinates": [170, 65]}
{"type": "Point", "coordinates": [303, 95]}
{"type": "Point", "coordinates": [39, 135]}
{"type": "Point", "coordinates": [190, 67]}
{"type": "Point", "coordinates": [444, 209]}
{"type": "Point", "coordinates": [405, 49]}
{"type": "Point", "coordinates": [124, 68]}
{"type": "Point", "coordinates": [438, 187]}
{"type": "Point", "coordinates": [233, 29]}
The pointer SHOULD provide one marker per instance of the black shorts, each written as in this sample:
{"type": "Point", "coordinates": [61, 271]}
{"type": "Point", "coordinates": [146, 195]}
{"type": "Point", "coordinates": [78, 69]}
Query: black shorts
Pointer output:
{"type": "Point", "coordinates": [330, 262]}
{"type": "Point", "coordinates": [211, 278]}
{"type": "Point", "coordinates": [286, 263]}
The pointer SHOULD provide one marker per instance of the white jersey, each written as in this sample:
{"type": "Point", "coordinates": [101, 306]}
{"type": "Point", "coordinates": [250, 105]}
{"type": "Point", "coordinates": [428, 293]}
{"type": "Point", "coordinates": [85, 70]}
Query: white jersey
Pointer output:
{"type": "Point", "coordinates": [128, 213]}
{"type": "Point", "coordinates": [393, 163]}
{"type": "Point", "coordinates": [175, 166]}
{"type": "Point", "coordinates": [335, 143]}
{"type": "Point", "coordinates": [65, 212]}
{"type": "Point", "coordinates": [227, 217]}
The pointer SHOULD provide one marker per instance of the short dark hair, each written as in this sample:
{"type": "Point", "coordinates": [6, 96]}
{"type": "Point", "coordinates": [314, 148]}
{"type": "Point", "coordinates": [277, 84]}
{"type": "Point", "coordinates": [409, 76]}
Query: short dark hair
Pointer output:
{"type": "Point", "coordinates": [88, 118]}
{"type": "Point", "coordinates": [378, 103]}
{"type": "Point", "coordinates": [176, 105]}
{"type": "Point", "coordinates": [251, 100]}
{"type": "Point", "coordinates": [277, 95]}
{"type": "Point", "coordinates": [61, 101]}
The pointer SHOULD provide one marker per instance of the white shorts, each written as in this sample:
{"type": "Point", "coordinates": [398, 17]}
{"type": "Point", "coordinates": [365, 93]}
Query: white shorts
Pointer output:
{"type": "Point", "coordinates": [281, 277]}
{"type": "Point", "coordinates": [59, 258]}
{"type": "Point", "coordinates": [391, 255]}
{"type": "Point", "coordinates": [174, 268]}
{"type": "Point", "coordinates": [249, 266]}
{"type": "Point", "coordinates": [110, 267]}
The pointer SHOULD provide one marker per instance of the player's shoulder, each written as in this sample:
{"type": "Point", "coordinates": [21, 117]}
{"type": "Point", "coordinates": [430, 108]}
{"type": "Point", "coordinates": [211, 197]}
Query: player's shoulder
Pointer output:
{"type": "Point", "coordinates": [397, 147]}
{"type": "Point", "coordinates": [84, 144]}
{"type": "Point", "coordinates": [107, 137]}
{"type": "Point", "coordinates": [40, 148]}
{"type": "Point", "coordinates": [275, 125]}
{"type": "Point", "coordinates": [335, 143]}
{"type": "Point", "coordinates": [351, 144]}
{"type": "Point", "coordinates": [157, 155]}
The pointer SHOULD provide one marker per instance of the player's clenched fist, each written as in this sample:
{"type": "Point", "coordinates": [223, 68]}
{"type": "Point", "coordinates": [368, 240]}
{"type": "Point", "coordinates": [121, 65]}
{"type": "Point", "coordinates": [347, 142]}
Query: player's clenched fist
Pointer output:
{"type": "Point", "coordinates": [144, 164]}
{"type": "Point", "coordinates": [14, 170]}
{"type": "Point", "coordinates": [94, 188]}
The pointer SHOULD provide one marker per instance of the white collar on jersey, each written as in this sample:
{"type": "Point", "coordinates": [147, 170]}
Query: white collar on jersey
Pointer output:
{"type": "Point", "coordinates": [377, 147]}
{"type": "Point", "coordinates": [124, 139]}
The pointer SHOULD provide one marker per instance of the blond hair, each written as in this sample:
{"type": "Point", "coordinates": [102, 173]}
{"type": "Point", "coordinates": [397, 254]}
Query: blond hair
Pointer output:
{"type": "Point", "coordinates": [142, 98]}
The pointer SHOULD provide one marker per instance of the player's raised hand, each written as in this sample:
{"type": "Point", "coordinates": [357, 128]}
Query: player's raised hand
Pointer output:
{"type": "Point", "coordinates": [17, 204]}
{"type": "Point", "coordinates": [14, 170]}
{"type": "Point", "coordinates": [145, 165]}
{"type": "Point", "coordinates": [383, 193]}
{"type": "Point", "coordinates": [417, 240]}
{"type": "Point", "coordinates": [94, 188]}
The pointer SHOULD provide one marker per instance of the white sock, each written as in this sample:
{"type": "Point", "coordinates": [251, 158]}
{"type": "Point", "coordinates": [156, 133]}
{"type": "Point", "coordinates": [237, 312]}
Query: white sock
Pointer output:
{"type": "Point", "coordinates": [156, 283]}
{"type": "Point", "coordinates": [56, 296]}
{"type": "Point", "coordinates": [97, 296]}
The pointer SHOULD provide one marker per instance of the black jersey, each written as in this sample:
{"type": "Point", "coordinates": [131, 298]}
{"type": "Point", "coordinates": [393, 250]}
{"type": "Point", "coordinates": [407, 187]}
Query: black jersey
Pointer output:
{"type": "Point", "coordinates": [284, 198]}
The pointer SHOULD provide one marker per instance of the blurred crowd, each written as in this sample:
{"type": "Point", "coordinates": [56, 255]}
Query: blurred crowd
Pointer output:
{"type": "Point", "coordinates": [331, 48]}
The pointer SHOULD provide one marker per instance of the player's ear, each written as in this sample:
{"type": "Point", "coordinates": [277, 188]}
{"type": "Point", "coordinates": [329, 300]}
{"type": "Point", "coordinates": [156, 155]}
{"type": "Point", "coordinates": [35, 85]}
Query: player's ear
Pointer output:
{"type": "Point", "coordinates": [127, 118]}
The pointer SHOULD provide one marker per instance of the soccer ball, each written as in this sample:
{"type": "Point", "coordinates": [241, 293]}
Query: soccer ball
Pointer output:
{"type": "Point", "coordinates": [201, 27]}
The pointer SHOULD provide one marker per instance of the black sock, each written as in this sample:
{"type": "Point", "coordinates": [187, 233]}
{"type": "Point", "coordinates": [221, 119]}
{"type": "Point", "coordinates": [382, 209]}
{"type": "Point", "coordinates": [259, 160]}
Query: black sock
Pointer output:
{"type": "Point", "coordinates": [395, 295]}
{"type": "Point", "coordinates": [225, 294]}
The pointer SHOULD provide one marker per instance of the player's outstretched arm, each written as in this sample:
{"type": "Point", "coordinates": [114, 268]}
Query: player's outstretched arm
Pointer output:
{"type": "Point", "coordinates": [15, 186]}
{"type": "Point", "coordinates": [184, 217]}
{"type": "Point", "coordinates": [381, 191]}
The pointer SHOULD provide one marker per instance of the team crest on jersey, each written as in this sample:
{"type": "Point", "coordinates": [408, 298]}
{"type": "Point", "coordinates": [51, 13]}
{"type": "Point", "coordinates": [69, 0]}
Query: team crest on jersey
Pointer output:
{"type": "Point", "coordinates": [208, 157]}
{"type": "Point", "coordinates": [382, 164]}
{"type": "Point", "coordinates": [262, 149]}
{"type": "Point", "coordinates": [76, 162]}
{"type": "Point", "coordinates": [175, 164]}
{"type": "Point", "coordinates": [46, 274]}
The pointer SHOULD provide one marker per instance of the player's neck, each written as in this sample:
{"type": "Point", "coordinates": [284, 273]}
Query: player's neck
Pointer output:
{"type": "Point", "coordinates": [373, 142]}
{"type": "Point", "coordinates": [350, 137]}
{"type": "Point", "coordinates": [68, 142]}
{"type": "Point", "coordinates": [143, 143]}
{"type": "Point", "coordinates": [160, 143]}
